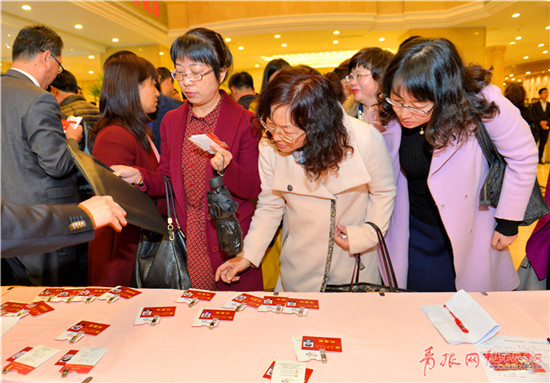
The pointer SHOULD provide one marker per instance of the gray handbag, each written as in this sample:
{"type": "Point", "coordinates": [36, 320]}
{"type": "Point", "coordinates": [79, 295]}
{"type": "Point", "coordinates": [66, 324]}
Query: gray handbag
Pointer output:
{"type": "Point", "coordinates": [490, 191]}
{"type": "Point", "coordinates": [161, 260]}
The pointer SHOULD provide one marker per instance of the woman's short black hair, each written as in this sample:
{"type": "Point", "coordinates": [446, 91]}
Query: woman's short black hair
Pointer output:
{"type": "Point", "coordinates": [314, 108]}
{"type": "Point", "coordinates": [375, 59]}
{"type": "Point", "coordinates": [432, 70]}
{"type": "Point", "coordinates": [120, 101]}
{"type": "Point", "coordinates": [205, 46]}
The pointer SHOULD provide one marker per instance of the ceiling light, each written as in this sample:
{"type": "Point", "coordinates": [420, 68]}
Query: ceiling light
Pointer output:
{"type": "Point", "coordinates": [519, 38]}
{"type": "Point", "coordinates": [547, 27]}
{"type": "Point", "coordinates": [335, 41]}
{"type": "Point", "coordinates": [78, 26]}
{"type": "Point", "coordinates": [228, 39]}
{"type": "Point", "coordinates": [525, 57]}
{"type": "Point", "coordinates": [8, 46]}
{"type": "Point", "coordinates": [511, 75]}
{"type": "Point", "coordinates": [26, 7]}
{"type": "Point", "coordinates": [541, 45]}
{"type": "Point", "coordinates": [315, 59]}
{"type": "Point", "coordinates": [277, 36]}
{"type": "Point", "coordinates": [91, 72]}
{"type": "Point", "coordinates": [256, 65]}
{"type": "Point", "coordinates": [527, 72]}
{"type": "Point", "coordinates": [381, 39]}
{"type": "Point", "coordinates": [544, 52]}
{"type": "Point", "coordinates": [240, 48]}
{"type": "Point", "coordinates": [115, 40]}
{"type": "Point", "coordinates": [512, 42]}
{"type": "Point", "coordinates": [91, 57]}
{"type": "Point", "coordinates": [161, 53]}
{"type": "Point", "coordinates": [515, 15]}
{"type": "Point", "coordinates": [284, 45]}
{"type": "Point", "coordinates": [336, 32]}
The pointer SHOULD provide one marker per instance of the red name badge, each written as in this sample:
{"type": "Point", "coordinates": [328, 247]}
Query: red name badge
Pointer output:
{"type": "Point", "coordinates": [149, 312]}
{"type": "Point", "coordinates": [249, 300]}
{"type": "Point", "coordinates": [94, 292]}
{"type": "Point", "coordinates": [210, 314]}
{"type": "Point", "coordinates": [125, 292]}
{"type": "Point", "coordinates": [269, 373]}
{"type": "Point", "coordinates": [88, 328]}
{"type": "Point", "coordinates": [13, 307]}
{"type": "Point", "coordinates": [66, 358]}
{"type": "Point", "coordinates": [200, 295]}
{"type": "Point", "coordinates": [38, 308]}
{"type": "Point", "coordinates": [318, 343]}
{"type": "Point", "coordinates": [18, 354]}
{"type": "Point", "coordinates": [305, 303]}
{"type": "Point", "coordinates": [274, 301]}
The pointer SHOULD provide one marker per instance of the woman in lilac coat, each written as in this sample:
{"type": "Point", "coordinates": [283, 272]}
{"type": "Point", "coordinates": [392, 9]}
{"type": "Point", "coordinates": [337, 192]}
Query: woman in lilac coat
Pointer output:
{"type": "Point", "coordinates": [440, 238]}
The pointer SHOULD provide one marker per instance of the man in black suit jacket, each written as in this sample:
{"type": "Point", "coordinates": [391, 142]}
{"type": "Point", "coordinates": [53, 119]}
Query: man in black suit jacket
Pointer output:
{"type": "Point", "coordinates": [540, 111]}
{"type": "Point", "coordinates": [36, 166]}
{"type": "Point", "coordinates": [36, 229]}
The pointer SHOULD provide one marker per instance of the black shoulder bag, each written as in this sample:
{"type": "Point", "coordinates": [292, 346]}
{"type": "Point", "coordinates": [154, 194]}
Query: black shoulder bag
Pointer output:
{"type": "Point", "coordinates": [161, 261]}
{"type": "Point", "coordinates": [490, 191]}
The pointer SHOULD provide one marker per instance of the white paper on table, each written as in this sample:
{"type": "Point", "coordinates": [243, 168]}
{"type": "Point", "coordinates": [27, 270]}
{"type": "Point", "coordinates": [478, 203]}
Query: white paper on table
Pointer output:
{"type": "Point", "coordinates": [37, 356]}
{"type": "Point", "coordinates": [88, 356]}
{"type": "Point", "coordinates": [69, 335]}
{"type": "Point", "coordinates": [295, 310]}
{"type": "Point", "coordinates": [286, 371]}
{"type": "Point", "coordinates": [8, 322]}
{"type": "Point", "coordinates": [538, 348]}
{"type": "Point", "coordinates": [480, 324]}
{"type": "Point", "coordinates": [304, 355]}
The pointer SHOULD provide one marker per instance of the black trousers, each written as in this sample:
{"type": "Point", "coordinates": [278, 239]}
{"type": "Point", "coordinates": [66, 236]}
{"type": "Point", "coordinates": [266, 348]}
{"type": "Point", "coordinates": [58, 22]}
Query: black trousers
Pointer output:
{"type": "Point", "coordinates": [543, 138]}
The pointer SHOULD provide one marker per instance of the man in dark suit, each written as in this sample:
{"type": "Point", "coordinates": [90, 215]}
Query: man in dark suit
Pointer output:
{"type": "Point", "coordinates": [38, 228]}
{"type": "Point", "coordinates": [36, 166]}
{"type": "Point", "coordinates": [540, 111]}
{"type": "Point", "coordinates": [241, 85]}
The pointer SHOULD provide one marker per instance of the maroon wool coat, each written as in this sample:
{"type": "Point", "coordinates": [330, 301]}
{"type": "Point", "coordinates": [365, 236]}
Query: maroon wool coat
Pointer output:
{"type": "Point", "coordinates": [235, 127]}
{"type": "Point", "coordinates": [111, 255]}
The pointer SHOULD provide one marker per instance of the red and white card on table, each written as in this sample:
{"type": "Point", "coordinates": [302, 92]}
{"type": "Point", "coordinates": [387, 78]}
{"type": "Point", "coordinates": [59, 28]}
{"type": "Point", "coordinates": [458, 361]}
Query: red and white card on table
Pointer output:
{"type": "Point", "coordinates": [84, 360]}
{"type": "Point", "coordinates": [119, 292]}
{"type": "Point", "coordinates": [321, 343]}
{"type": "Point", "coordinates": [212, 317]}
{"type": "Point", "coordinates": [243, 300]}
{"type": "Point", "coordinates": [195, 295]}
{"type": "Point", "coordinates": [300, 306]}
{"type": "Point", "coordinates": [273, 303]}
{"type": "Point", "coordinates": [19, 354]}
{"type": "Point", "coordinates": [67, 295]}
{"type": "Point", "coordinates": [204, 141]}
{"type": "Point", "coordinates": [31, 359]}
{"type": "Point", "coordinates": [76, 332]}
{"type": "Point", "coordinates": [14, 309]}
{"type": "Point", "coordinates": [39, 308]}
{"type": "Point", "coordinates": [152, 315]}
{"type": "Point", "coordinates": [90, 294]}
{"type": "Point", "coordinates": [294, 371]}
{"type": "Point", "coordinates": [65, 358]}
{"type": "Point", "coordinates": [48, 294]}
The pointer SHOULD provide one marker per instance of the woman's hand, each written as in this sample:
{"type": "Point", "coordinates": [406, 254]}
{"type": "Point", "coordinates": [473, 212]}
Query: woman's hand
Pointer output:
{"type": "Point", "coordinates": [341, 237]}
{"type": "Point", "coordinates": [228, 271]}
{"type": "Point", "coordinates": [501, 242]}
{"type": "Point", "coordinates": [127, 173]}
{"type": "Point", "coordinates": [221, 159]}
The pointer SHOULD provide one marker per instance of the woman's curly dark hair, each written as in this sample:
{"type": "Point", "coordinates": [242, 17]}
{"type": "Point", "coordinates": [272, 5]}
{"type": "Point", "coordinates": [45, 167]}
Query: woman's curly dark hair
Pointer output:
{"type": "Point", "coordinates": [432, 70]}
{"type": "Point", "coordinates": [314, 108]}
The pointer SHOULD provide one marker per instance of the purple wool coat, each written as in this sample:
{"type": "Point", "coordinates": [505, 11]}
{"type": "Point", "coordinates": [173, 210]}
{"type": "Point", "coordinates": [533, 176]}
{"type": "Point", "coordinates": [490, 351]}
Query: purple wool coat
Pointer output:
{"type": "Point", "coordinates": [538, 244]}
{"type": "Point", "coordinates": [456, 175]}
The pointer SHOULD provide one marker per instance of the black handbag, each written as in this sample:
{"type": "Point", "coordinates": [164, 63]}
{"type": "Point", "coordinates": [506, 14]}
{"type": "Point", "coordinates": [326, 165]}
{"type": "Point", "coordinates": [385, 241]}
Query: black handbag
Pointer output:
{"type": "Point", "coordinates": [161, 261]}
{"type": "Point", "coordinates": [355, 286]}
{"type": "Point", "coordinates": [490, 191]}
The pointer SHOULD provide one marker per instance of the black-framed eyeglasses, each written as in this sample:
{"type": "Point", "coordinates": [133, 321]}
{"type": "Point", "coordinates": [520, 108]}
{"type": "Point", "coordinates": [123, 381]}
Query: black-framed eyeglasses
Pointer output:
{"type": "Point", "coordinates": [412, 109]}
{"type": "Point", "coordinates": [60, 68]}
{"type": "Point", "coordinates": [191, 76]}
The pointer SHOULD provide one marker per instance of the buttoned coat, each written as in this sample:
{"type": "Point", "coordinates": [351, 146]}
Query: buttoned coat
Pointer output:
{"type": "Point", "coordinates": [235, 128]}
{"type": "Point", "coordinates": [456, 175]}
{"type": "Point", "coordinates": [36, 166]}
{"type": "Point", "coordinates": [364, 190]}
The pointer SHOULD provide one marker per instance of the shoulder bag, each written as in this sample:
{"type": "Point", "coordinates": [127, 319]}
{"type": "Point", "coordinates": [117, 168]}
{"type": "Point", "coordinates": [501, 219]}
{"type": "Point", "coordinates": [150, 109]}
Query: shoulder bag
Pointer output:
{"type": "Point", "coordinates": [490, 191]}
{"type": "Point", "coordinates": [161, 261]}
{"type": "Point", "coordinates": [355, 286]}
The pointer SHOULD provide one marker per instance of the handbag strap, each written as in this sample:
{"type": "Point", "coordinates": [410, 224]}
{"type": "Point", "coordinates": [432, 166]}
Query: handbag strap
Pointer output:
{"type": "Point", "coordinates": [487, 145]}
{"type": "Point", "coordinates": [385, 256]}
{"type": "Point", "coordinates": [330, 244]}
{"type": "Point", "coordinates": [171, 207]}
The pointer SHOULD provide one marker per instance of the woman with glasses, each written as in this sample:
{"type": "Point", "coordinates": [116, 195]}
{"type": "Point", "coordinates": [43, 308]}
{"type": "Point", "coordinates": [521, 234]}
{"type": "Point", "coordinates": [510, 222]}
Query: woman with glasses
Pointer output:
{"type": "Point", "coordinates": [323, 175]}
{"type": "Point", "coordinates": [121, 136]}
{"type": "Point", "coordinates": [367, 68]}
{"type": "Point", "coordinates": [440, 238]}
{"type": "Point", "coordinates": [202, 61]}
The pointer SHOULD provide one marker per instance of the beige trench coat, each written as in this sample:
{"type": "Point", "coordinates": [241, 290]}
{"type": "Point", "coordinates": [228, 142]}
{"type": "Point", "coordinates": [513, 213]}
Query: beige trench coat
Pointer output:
{"type": "Point", "coordinates": [364, 190]}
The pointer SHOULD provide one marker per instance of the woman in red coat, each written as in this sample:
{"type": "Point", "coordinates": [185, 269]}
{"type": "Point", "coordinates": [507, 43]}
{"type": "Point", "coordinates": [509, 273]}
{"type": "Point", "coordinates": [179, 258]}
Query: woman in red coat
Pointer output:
{"type": "Point", "coordinates": [202, 60]}
{"type": "Point", "coordinates": [122, 136]}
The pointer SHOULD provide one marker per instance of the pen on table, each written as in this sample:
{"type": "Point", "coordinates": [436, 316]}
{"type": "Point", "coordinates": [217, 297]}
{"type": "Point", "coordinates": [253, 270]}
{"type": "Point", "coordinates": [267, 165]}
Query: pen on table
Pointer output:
{"type": "Point", "coordinates": [65, 372]}
{"type": "Point", "coordinates": [193, 302]}
{"type": "Point", "coordinates": [457, 321]}
{"type": "Point", "coordinates": [8, 367]}
{"type": "Point", "coordinates": [155, 320]}
{"type": "Point", "coordinates": [76, 337]}
{"type": "Point", "coordinates": [88, 379]}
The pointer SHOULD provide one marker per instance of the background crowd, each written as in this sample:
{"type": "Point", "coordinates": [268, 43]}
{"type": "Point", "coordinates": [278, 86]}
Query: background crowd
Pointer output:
{"type": "Point", "coordinates": [387, 138]}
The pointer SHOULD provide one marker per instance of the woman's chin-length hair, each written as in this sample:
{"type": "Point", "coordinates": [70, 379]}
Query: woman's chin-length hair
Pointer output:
{"type": "Point", "coordinates": [432, 70]}
{"type": "Point", "coordinates": [314, 107]}
{"type": "Point", "coordinates": [120, 101]}
{"type": "Point", "coordinates": [205, 46]}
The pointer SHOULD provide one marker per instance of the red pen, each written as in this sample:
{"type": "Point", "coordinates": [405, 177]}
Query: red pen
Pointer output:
{"type": "Point", "coordinates": [457, 321]}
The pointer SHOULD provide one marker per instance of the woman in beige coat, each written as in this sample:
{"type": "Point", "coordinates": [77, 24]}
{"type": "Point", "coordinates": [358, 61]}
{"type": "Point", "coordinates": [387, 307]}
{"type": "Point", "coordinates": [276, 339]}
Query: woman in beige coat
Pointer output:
{"type": "Point", "coordinates": [324, 174]}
